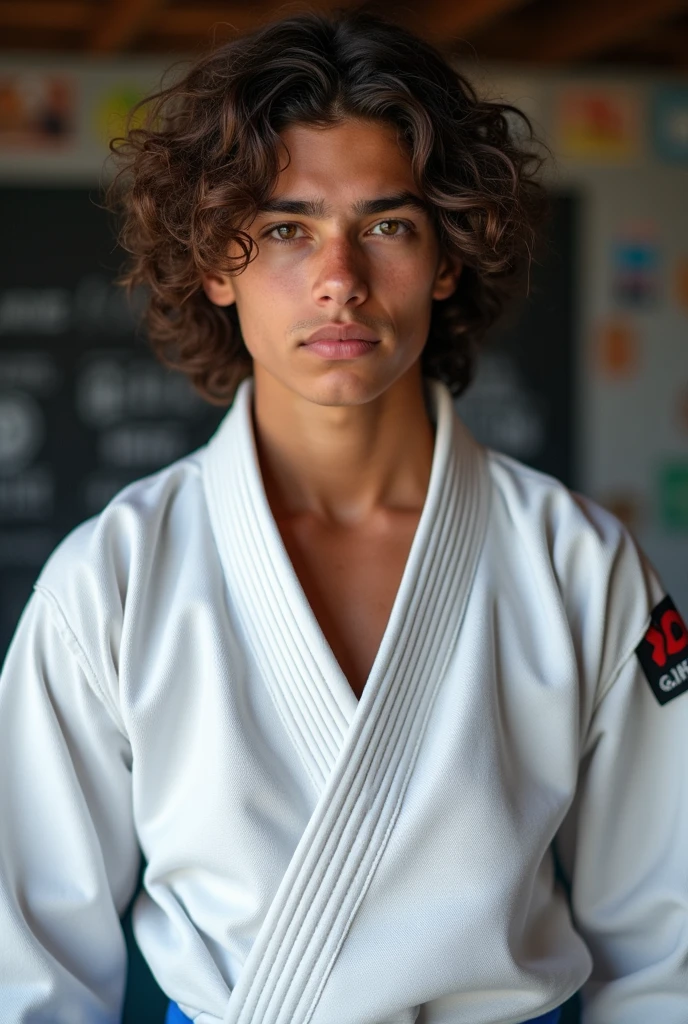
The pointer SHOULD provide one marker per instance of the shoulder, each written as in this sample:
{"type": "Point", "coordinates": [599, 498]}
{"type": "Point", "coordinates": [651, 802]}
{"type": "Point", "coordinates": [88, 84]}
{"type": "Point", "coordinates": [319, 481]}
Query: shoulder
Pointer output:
{"type": "Point", "coordinates": [579, 554]}
{"type": "Point", "coordinates": [542, 510]}
{"type": "Point", "coordinates": [128, 528]}
{"type": "Point", "coordinates": [96, 576]}
{"type": "Point", "coordinates": [536, 501]}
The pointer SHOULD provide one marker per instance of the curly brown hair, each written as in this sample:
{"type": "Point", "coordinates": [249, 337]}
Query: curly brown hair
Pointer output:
{"type": "Point", "coordinates": [207, 156]}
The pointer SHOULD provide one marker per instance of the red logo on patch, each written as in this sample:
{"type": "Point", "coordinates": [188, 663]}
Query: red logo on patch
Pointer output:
{"type": "Point", "coordinates": [663, 652]}
{"type": "Point", "coordinates": [672, 638]}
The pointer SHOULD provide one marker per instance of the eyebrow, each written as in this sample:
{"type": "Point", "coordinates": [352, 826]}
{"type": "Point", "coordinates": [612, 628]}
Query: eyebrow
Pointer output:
{"type": "Point", "coordinates": [318, 209]}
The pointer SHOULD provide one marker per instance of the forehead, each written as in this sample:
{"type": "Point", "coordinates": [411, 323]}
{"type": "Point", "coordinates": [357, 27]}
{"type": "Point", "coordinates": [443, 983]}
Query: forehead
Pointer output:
{"type": "Point", "coordinates": [344, 161]}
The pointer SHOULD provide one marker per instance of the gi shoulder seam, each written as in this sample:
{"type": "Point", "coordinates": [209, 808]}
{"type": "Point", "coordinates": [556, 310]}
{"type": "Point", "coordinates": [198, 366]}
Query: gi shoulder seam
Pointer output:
{"type": "Point", "coordinates": [69, 639]}
{"type": "Point", "coordinates": [621, 664]}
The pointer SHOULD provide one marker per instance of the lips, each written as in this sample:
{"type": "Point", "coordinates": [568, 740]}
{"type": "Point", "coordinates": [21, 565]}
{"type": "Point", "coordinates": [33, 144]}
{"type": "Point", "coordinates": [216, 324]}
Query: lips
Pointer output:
{"type": "Point", "coordinates": [341, 332]}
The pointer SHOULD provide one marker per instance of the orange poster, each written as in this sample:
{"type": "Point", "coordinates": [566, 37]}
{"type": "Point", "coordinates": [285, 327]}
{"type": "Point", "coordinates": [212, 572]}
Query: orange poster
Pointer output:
{"type": "Point", "coordinates": [599, 123]}
{"type": "Point", "coordinates": [617, 348]}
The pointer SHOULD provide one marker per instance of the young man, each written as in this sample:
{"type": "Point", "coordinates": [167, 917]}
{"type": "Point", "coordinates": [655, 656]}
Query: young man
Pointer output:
{"type": "Point", "coordinates": [348, 680]}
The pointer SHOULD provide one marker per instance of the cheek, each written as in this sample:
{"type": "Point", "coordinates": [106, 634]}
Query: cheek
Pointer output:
{"type": "Point", "coordinates": [286, 280]}
{"type": "Point", "coordinates": [278, 269]}
{"type": "Point", "coordinates": [263, 290]}
{"type": "Point", "coordinates": [272, 297]}
{"type": "Point", "coordinates": [267, 305]}
{"type": "Point", "coordinates": [404, 288]}
{"type": "Point", "coordinates": [408, 276]}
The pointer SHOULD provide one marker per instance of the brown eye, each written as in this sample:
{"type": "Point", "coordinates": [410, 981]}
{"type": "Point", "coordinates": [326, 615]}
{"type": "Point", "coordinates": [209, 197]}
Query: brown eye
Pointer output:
{"type": "Point", "coordinates": [285, 227]}
{"type": "Point", "coordinates": [397, 225]}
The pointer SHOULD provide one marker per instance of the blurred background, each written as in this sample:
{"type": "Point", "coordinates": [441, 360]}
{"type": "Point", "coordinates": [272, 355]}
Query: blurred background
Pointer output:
{"type": "Point", "coordinates": [587, 381]}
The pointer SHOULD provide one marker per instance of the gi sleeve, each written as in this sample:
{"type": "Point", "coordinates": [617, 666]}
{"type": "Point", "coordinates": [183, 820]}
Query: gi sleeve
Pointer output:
{"type": "Point", "coordinates": [68, 852]}
{"type": "Point", "coordinates": [624, 846]}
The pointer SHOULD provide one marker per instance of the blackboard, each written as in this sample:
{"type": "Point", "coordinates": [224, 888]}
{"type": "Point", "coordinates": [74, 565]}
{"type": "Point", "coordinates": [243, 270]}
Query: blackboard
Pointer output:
{"type": "Point", "coordinates": [84, 407]}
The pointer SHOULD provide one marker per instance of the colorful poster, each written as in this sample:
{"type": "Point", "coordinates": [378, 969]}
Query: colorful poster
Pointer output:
{"type": "Point", "coordinates": [636, 264]}
{"type": "Point", "coordinates": [670, 123]}
{"type": "Point", "coordinates": [37, 110]}
{"type": "Point", "coordinates": [598, 123]}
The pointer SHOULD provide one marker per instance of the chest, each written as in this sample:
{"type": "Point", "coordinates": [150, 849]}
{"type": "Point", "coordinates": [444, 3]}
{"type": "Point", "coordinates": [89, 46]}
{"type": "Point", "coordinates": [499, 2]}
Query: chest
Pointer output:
{"type": "Point", "coordinates": [350, 577]}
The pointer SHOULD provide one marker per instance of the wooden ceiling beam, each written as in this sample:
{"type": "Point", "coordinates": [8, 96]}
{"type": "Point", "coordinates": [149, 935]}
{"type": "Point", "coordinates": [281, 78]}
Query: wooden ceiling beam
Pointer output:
{"type": "Point", "coordinates": [197, 21]}
{"type": "Point", "coordinates": [673, 39]}
{"type": "Point", "coordinates": [555, 34]}
{"type": "Point", "coordinates": [444, 20]}
{"type": "Point", "coordinates": [43, 14]}
{"type": "Point", "coordinates": [575, 30]}
{"type": "Point", "coordinates": [121, 23]}
{"type": "Point", "coordinates": [666, 48]}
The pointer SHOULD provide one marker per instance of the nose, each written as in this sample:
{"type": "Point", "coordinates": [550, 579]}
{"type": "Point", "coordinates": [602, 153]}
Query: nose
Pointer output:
{"type": "Point", "coordinates": [340, 275]}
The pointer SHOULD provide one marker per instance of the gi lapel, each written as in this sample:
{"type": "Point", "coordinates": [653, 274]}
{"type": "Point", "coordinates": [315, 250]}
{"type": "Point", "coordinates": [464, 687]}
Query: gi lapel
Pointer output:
{"type": "Point", "coordinates": [311, 694]}
{"type": "Point", "coordinates": [360, 755]}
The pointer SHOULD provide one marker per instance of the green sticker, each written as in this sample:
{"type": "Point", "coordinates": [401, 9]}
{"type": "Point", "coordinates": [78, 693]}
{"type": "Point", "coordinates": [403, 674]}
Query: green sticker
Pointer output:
{"type": "Point", "coordinates": [673, 495]}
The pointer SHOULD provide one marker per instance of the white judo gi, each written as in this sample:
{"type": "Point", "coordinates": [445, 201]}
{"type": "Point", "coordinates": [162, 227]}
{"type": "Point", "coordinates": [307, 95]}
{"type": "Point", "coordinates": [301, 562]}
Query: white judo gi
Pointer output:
{"type": "Point", "coordinates": [313, 857]}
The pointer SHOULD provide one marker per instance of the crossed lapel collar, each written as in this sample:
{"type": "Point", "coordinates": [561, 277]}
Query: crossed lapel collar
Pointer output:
{"type": "Point", "coordinates": [359, 754]}
{"type": "Point", "coordinates": [313, 697]}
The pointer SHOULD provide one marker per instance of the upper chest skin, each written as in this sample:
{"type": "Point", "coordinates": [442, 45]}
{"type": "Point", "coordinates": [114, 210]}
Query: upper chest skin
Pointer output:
{"type": "Point", "coordinates": [350, 576]}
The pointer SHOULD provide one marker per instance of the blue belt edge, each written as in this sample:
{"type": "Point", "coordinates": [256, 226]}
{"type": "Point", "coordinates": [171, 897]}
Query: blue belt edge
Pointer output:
{"type": "Point", "coordinates": [175, 1016]}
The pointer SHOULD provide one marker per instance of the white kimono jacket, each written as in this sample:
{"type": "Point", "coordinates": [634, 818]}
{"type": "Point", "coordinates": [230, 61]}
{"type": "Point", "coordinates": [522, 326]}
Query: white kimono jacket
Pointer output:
{"type": "Point", "coordinates": [313, 858]}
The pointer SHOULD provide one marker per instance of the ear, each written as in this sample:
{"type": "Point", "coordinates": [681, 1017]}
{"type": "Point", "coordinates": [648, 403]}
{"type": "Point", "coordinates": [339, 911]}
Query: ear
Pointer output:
{"type": "Point", "coordinates": [219, 289]}
{"type": "Point", "coordinates": [447, 276]}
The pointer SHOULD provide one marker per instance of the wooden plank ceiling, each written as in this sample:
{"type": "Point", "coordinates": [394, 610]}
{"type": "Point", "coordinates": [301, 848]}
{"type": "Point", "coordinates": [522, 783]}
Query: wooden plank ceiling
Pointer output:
{"type": "Point", "coordinates": [557, 33]}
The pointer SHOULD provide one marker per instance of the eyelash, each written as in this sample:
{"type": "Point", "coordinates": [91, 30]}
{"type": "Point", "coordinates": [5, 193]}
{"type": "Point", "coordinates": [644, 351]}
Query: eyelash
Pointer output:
{"type": "Point", "coordinates": [289, 241]}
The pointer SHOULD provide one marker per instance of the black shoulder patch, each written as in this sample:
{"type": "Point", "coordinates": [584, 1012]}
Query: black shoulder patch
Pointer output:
{"type": "Point", "coordinates": [663, 652]}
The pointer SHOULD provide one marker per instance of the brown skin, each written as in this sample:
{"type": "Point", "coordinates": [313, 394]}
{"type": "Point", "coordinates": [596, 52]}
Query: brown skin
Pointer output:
{"type": "Point", "coordinates": [345, 447]}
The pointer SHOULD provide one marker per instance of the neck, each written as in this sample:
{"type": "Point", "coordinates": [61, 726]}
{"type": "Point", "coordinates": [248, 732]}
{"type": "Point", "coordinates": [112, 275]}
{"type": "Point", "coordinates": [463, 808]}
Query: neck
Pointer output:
{"type": "Point", "coordinates": [343, 464]}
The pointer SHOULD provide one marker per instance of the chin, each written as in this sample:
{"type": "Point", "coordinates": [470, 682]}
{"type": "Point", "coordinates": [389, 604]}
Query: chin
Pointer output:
{"type": "Point", "coordinates": [337, 383]}
{"type": "Point", "coordinates": [342, 387]}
